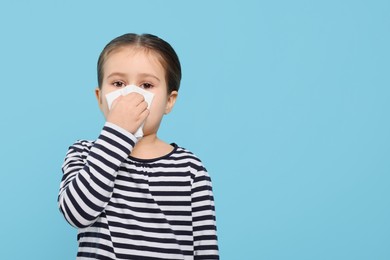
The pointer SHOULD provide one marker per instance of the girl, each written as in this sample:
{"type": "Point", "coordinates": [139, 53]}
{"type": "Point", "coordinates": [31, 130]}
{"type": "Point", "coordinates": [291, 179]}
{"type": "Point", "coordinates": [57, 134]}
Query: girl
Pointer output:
{"type": "Point", "coordinates": [137, 198]}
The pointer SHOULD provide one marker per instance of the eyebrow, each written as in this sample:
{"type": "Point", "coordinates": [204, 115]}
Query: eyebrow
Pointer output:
{"type": "Point", "coordinates": [116, 74]}
{"type": "Point", "coordinates": [120, 74]}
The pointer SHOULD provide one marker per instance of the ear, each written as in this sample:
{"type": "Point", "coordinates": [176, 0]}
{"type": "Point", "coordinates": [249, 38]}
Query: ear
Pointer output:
{"type": "Point", "coordinates": [98, 94]}
{"type": "Point", "coordinates": [171, 101]}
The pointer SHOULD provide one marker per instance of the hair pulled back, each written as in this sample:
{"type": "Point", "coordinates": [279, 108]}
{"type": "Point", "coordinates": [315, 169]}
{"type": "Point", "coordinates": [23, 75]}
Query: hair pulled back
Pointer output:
{"type": "Point", "coordinates": [166, 55]}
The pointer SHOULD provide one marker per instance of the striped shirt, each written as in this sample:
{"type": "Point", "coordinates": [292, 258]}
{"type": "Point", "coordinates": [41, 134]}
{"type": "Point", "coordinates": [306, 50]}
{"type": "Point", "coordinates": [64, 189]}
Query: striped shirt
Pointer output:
{"type": "Point", "coordinates": [128, 208]}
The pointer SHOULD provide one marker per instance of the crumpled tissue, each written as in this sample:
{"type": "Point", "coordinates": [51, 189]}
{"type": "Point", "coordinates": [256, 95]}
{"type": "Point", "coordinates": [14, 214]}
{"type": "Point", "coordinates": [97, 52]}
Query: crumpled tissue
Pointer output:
{"type": "Point", "coordinates": [127, 90]}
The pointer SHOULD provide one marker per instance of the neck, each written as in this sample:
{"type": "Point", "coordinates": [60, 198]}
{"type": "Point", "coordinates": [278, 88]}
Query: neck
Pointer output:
{"type": "Point", "coordinates": [147, 140]}
{"type": "Point", "coordinates": [150, 147]}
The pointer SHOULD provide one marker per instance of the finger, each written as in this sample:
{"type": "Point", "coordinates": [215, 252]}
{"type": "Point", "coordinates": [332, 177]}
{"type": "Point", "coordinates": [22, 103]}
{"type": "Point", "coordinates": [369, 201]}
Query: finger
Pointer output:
{"type": "Point", "coordinates": [144, 115]}
{"type": "Point", "coordinates": [135, 97]}
{"type": "Point", "coordinates": [141, 108]}
{"type": "Point", "coordinates": [143, 105]}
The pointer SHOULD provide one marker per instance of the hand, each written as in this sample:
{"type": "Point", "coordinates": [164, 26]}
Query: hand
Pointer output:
{"type": "Point", "coordinates": [128, 112]}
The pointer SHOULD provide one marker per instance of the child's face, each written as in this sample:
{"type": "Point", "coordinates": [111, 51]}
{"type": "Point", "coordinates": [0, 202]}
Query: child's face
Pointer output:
{"type": "Point", "coordinates": [135, 66]}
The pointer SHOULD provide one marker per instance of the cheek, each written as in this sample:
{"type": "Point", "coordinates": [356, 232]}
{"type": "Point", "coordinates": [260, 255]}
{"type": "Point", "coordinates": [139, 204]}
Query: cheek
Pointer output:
{"type": "Point", "coordinates": [158, 105]}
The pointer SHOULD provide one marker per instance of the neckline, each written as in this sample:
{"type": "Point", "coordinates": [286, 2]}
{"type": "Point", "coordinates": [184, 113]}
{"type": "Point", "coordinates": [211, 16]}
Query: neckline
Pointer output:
{"type": "Point", "coordinates": [175, 146]}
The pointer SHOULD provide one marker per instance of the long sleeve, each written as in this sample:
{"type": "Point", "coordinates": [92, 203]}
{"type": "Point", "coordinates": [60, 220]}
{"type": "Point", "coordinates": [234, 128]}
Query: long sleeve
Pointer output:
{"type": "Point", "coordinates": [89, 172]}
{"type": "Point", "coordinates": [203, 218]}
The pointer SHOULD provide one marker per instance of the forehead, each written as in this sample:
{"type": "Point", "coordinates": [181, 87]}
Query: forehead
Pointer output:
{"type": "Point", "coordinates": [134, 58]}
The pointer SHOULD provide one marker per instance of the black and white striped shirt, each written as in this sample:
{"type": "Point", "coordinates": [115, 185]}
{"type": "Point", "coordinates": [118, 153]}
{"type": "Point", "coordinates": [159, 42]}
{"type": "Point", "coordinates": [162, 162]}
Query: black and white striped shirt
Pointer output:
{"type": "Point", "coordinates": [128, 208]}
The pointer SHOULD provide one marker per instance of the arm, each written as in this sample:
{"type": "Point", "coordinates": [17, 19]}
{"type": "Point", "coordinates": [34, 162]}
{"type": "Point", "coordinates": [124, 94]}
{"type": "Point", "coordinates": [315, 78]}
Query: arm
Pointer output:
{"type": "Point", "coordinates": [89, 172]}
{"type": "Point", "coordinates": [203, 218]}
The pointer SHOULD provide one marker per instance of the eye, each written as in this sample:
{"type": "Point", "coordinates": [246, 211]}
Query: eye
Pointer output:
{"type": "Point", "coordinates": [146, 85]}
{"type": "Point", "coordinates": [118, 84]}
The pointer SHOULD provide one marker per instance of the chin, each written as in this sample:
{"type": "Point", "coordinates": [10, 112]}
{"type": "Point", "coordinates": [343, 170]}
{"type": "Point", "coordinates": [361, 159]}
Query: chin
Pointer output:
{"type": "Point", "coordinates": [148, 130]}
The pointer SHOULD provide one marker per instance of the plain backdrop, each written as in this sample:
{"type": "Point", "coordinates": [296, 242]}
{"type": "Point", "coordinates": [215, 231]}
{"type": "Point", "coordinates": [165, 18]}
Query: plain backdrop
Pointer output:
{"type": "Point", "coordinates": [286, 103]}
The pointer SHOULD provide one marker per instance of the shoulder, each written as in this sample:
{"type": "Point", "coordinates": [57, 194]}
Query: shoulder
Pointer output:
{"type": "Point", "coordinates": [201, 179]}
{"type": "Point", "coordinates": [81, 147]}
{"type": "Point", "coordinates": [186, 156]}
{"type": "Point", "coordinates": [77, 153]}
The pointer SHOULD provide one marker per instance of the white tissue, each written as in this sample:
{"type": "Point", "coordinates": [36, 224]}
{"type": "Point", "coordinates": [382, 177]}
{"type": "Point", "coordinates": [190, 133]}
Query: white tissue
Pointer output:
{"type": "Point", "coordinates": [127, 90]}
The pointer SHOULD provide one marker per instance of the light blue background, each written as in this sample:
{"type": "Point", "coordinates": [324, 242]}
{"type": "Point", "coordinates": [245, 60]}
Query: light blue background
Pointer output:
{"type": "Point", "coordinates": [286, 102]}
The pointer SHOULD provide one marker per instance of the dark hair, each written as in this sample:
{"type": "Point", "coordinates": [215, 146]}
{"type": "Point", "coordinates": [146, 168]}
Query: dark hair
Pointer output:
{"type": "Point", "coordinates": [167, 56]}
